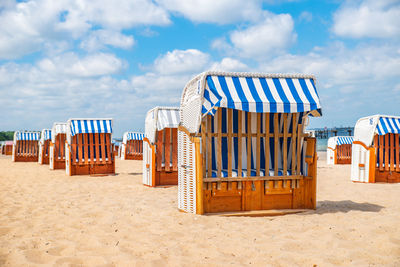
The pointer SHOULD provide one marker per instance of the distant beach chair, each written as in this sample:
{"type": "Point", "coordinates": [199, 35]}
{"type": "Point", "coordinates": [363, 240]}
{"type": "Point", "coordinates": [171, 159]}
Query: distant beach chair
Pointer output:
{"type": "Point", "coordinates": [7, 148]}
{"type": "Point", "coordinates": [44, 146]}
{"type": "Point", "coordinates": [242, 146]}
{"type": "Point", "coordinates": [160, 147]}
{"type": "Point", "coordinates": [89, 149]}
{"type": "Point", "coordinates": [116, 148]}
{"type": "Point", "coordinates": [376, 150]}
{"type": "Point", "coordinates": [25, 146]}
{"type": "Point", "coordinates": [339, 150]}
{"type": "Point", "coordinates": [132, 146]}
{"type": "Point", "coordinates": [57, 148]}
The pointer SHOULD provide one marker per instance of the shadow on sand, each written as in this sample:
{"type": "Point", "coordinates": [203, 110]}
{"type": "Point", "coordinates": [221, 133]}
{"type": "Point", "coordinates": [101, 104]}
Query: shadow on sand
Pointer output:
{"type": "Point", "coordinates": [345, 206]}
{"type": "Point", "coordinates": [135, 173]}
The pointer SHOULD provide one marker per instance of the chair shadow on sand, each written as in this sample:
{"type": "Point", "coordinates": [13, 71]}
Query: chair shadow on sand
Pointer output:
{"type": "Point", "coordinates": [345, 206]}
{"type": "Point", "coordinates": [135, 173]}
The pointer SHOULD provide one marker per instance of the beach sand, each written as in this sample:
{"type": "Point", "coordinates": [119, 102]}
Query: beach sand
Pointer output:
{"type": "Point", "coordinates": [48, 218]}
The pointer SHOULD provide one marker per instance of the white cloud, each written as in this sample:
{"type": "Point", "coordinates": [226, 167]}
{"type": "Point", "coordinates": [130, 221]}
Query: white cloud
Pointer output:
{"type": "Point", "coordinates": [98, 39]}
{"type": "Point", "coordinates": [368, 18]}
{"type": "Point", "coordinates": [306, 16]}
{"type": "Point", "coordinates": [181, 61]}
{"type": "Point", "coordinates": [27, 27]}
{"type": "Point", "coordinates": [70, 64]}
{"type": "Point", "coordinates": [262, 40]}
{"type": "Point", "coordinates": [229, 64]}
{"type": "Point", "coordinates": [221, 11]}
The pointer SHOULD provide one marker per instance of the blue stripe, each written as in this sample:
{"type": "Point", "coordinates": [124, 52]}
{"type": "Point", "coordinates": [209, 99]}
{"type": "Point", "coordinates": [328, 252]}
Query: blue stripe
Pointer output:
{"type": "Point", "coordinates": [225, 89]}
{"type": "Point", "coordinates": [239, 89]}
{"type": "Point", "coordinates": [308, 95]}
{"type": "Point", "coordinates": [254, 94]}
{"type": "Point", "coordinates": [78, 122]}
{"type": "Point", "coordinates": [92, 124]}
{"type": "Point", "coordinates": [267, 91]}
{"type": "Point", "coordinates": [292, 88]}
{"type": "Point", "coordinates": [382, 124]}
{"type": "Point", "coordinates": [286, 102]}
{"type": "Point", "coordinates": [85, 125]}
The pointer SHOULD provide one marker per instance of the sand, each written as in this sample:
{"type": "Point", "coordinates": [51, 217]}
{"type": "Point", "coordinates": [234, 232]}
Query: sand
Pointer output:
{"type": "Point", "coordinates": [48, 218]}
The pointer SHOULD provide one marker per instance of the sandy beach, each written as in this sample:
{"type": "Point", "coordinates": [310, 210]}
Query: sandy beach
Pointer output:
{"type": "Point", "coordinates": [48, 218]}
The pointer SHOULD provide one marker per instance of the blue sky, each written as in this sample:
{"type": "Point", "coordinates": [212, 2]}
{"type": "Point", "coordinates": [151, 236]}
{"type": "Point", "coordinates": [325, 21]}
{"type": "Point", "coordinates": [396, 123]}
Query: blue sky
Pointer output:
{"type": "Point", "coordinates": [69, 58]}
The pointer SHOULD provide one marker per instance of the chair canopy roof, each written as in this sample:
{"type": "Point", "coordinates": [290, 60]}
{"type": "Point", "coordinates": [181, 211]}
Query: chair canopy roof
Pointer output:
{"type": "Point", "coordinates": [160, 118]}
{"type": "Point", "coordinates": [339, 140]}
{"type": "Point", "coordinates": [96, 125]}
{"type": "Point", "coordinates": [132, 136]}
{"type": "Point", "coordinates": [367, 127]}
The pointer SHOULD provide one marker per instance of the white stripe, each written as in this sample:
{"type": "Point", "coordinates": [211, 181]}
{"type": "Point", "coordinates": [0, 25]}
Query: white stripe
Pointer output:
{"type": "Point", "coordinates": [303, 97]}
{"type": "Point", "coordinates": [247, 93]}
{"type": "Point", "coordinates": [262, 95]}
{"type": "Point", "coordinates": [312, 92]}
{"type": "Point", "coordinates": [276, 96]}
{"type": "Point", "coordinates": [234, 94]}
{"type": "Point", "coordinates": [289, 96]}
{"type": "Point", "coordinates": [393, 126]}
{"type": "Point", "coordinates": [220, 92]}
{"type": "Point", "coordinates": [102, 130]}
{"type": "Point", "coordinates": [89, 126]}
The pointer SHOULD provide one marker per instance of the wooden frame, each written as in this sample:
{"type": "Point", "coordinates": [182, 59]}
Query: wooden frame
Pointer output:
{"type": "Point", "coordinates": [116, 148]}
{"type": "Point", "coordinates": [133, 150]}
{"type": "Point", "coordinates": [164, 157]}
{"type": "Point", "coordinates": [26, 151]}
{"type": "Point", "coordinates": [387, 156]}
{"type": "Point", "coordinates": [91, 153]}
{"type": "Point", "coordinates": [237, 194]}
{"type": "Point", "coordinates": [7, 149]}
{"type": "Point", "coordinates": [45, 152]}
{"type": "Point", "coordinates": [58, 152]}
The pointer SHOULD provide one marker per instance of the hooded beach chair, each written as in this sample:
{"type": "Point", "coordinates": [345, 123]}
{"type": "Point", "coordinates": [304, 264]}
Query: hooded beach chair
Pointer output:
{"type": "Point", "coordinates": [160, 147]}
{"type": "Point", "coordinates": [89, 149]}
{"type": "Point", "coordinates": [7, 148]}
{"type": "Point", "coordinates": [339, 150]}
{"type": "Point", "coordinates": [376, 150]}
{"type": "Point", "coordinates": [57, 147]}
{"type": "Point", "coordinates": [242, 146]}
{"type": "Point", "coordinates": [44, 146]}
{"type": "Point", "coordinates": [132, 146]}
{"type": "Point", "coordinates": [25, 146]}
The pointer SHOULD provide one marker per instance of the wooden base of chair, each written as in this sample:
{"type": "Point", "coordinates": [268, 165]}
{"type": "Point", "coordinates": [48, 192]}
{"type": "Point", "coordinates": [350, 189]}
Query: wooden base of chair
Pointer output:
{"type": "Point", "coordinates": [134, 157]}
{"type": "Point", "coordinates": [252, 196]}
{"type": "Point", "coordinates": [26, 159]}
{"type": "Point", "coordinates": [59, 164]}
{"type": "Point", "coordinates": [166, 178]}
{"type": "Point", "coordinates": [87, 169]}
{"type": "Point", "coordinates": [45, 160]}
{"type": "Point", "coordinates": [343, 161]}
{"type": "Point", "coordinates": [258, 213]}
{"type": "Point", "coordinates": [8, 153]}
{"type": "Point", "coordinates": [387, 177]}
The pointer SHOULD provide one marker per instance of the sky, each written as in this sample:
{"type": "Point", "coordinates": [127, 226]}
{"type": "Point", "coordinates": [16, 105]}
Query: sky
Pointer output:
{"type": "Point", "coordinates": [101, 59]}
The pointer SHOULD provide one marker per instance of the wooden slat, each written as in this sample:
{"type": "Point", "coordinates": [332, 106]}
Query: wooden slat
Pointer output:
{"type": "Point", "coordinates": [381, 152]}
{"type": "Point", "coordinates": [87, 148]}
{"type": "Point", "coordinates": [230, 124]}
{"type": "Point", "coordinates": [386, 152]}
{"type": "Point", "coordinates": [108, 147]}
{"type": "Point", "coordinates": [391, 152]}
{"type": "Point", "coordinates": [103, 150]}
{"type": "Point", "coordinates": [285, 133]}
{"type": "Point", "coordinates": [248, 148]}
{"type": "Point", "coordinates": [209, 147]}
{"type": "Point", "coordinates": [97, 143]}
{"type": "Point", "coordinates": [276, 143]}
{"type": "Point", "coordinates": [299, 136]}
{"type": "Point", "coordinates": [266, 144]}
{"type": "Point", "coordinates": [167, 148]}
{"type": "Point", "coordinates": [258, 144]}
{"type": "Point", "coordinates": [159, 149]}
{"type": "Point", "coordinates": [79, 147]}
{"type": "Point", "coordinates": [397, 152]}
{"type": "Point", "coordinates": [92, 148]}
{"type": "Point", "coordinates": [175, 150]}
{"type": "Point", "coordinates": [294, 131]}
{"type": "Point", "coordinates": [219, 143]}
{"type": "Point", "coordinates": [240, 144]}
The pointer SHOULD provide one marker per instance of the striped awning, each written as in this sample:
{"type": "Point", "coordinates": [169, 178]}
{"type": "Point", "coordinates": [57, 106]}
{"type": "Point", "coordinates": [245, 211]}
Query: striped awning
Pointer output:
{"type": "Point", "coordinates": [77, 126]}
{"type": "Point", "coordinates": [388, 125]}
{"type": "Point", "coordinates": [29, 136]}
{"type": "Point", "coordinates": [344, 140]}
{"type": "Point", "coordinates": [46, 135]}
{"type": "Point", "coordinates": [167, 118]}
{"type": "Point", "coordinates": [132, 136]}
{"type": "Point", "coordinates": [262, 94]}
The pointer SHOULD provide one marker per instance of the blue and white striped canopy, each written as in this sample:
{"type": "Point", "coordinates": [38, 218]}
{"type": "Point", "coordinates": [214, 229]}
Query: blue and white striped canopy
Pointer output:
{"type": "Point", "coordinates": [29, 136]}
{"type": "Point", "coordinates": [46, 135]}
{"type": "Point", "coordinates": [388, 125]}
{"type": "Point", "coordinates": [280, 94]}
{"type": "Point", "coordinates": [132, 136]}
{"type": "Point", "coordinates": [77, 126]}
{"type": "Point", "coordinates": [344, 140]}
